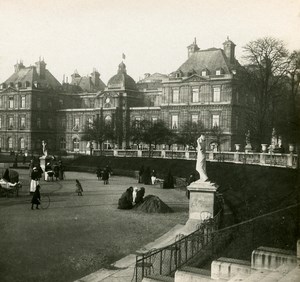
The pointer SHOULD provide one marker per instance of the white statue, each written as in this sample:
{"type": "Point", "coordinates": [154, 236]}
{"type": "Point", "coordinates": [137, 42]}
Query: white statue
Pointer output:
{"type": "Point", "coordinates": [201, 158]}
{"type": "Point", "coordinates": [45, 150]}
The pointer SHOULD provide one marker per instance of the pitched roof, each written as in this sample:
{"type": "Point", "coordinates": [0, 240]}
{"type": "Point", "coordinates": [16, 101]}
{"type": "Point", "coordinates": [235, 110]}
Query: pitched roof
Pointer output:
{"type": "Point", "coordinates": [29, 74]}
{"type": "Point", "coordinates": [211, 59]}
{"type": "Point", "coordinates": [153, 78]}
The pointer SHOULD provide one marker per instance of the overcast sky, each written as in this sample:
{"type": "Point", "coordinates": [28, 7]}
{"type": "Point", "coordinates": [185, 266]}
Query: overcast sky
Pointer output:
{"type": "Point", "coordinates": [153, 34]}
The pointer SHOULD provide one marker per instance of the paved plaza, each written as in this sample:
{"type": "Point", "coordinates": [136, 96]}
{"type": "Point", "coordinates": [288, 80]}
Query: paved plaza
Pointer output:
{"type": "Point", "coordinates": [85, 234]}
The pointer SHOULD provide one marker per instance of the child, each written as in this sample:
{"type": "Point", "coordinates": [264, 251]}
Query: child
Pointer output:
{"type": "Point", "coordinates": [36, 197]}
{"type": "Point", "coordinates": [79, 189]}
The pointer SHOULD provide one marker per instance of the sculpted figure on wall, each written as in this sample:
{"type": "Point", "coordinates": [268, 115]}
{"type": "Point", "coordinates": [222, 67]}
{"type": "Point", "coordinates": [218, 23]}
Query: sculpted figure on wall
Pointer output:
{"type": "Point", "coordinates": [201, 158]}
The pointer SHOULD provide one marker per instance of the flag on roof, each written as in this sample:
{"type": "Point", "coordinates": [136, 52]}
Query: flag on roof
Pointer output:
{"type": "Point", "coordinates": [123, 56]}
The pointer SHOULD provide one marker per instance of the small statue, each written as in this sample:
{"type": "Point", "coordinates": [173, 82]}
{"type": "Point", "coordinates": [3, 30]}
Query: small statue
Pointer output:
{"type": "Point", "coordinates": [45, 150]}
{"type": "Point", "coordinates": [201, 158]}
{"type": "Point", "coordinates": [248, 138]}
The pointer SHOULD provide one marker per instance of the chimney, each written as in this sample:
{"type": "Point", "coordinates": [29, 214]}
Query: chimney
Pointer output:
{"type": "Point", "coordinates": [229, 47]}
{"type": "Point", "coordinates": [41, 68]}
{"type": "Point", "coordinates": [19, 66]}
{"type": "Point", "coordinates": [95, 77]}
{"type": "Point", "coordinates": [193, 48]}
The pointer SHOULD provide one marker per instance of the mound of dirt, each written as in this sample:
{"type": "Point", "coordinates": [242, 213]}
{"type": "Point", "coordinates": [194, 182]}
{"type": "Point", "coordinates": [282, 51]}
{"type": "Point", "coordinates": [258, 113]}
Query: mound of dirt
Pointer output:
{"type": "Point", "coordinates": [153, 204]}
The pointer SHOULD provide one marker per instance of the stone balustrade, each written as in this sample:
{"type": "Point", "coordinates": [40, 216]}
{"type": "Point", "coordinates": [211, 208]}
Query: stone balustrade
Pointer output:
{"type": "Point", "coordinates": [264, 159]}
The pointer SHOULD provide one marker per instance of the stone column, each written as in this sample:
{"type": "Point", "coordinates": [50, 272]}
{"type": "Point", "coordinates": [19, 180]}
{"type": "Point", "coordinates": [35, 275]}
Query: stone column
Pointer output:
{"type": "Point", "coordinates": [43, 163]}
{"type": "Point", "coordinates": [202, 196]}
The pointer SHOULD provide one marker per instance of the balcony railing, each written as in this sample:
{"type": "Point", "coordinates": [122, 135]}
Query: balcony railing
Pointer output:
{"type": "Point", "coordinates": [264, 159]}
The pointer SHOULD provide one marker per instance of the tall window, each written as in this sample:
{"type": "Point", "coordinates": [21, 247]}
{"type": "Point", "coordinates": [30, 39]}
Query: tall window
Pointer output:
{"type": "Point", "coordinates": [174, 121]}
{"type": "Point", "coordinates": [175, 97]}
{"type": "Point", "coordinates": [76, 144]}
{"type": "Point", "coordinates": [62, 143]}
{"type": "Point", "coordinates": [50, 123]}
{"type": "Point", "coordinates": [10, 143]}
{"type": "Point", "coordinates": [1, 103]}
{"type": "Point", "coordinates": [0, 122]}
{"type": "Point", "coordinates": [63, 123]}
{"type": "Point", "coordinates": [216, 94]}
{"type": "Point", "coordinates": [11, 102]}
{"type": "Point", "coordinates": [22, 143]}
{"type": "Point", "coordinates": [195, 95]}
{"type": "Point", "coordinates": [23, 99]}
{"type": "Point", "coordinates": [38, 102]}
{"type": "Point", "coordinates": [90, 122]}
{"type": "Point", "coordinates": [215, 120]}
{"type": "Point", "coordinates": [76, 123]}
{"type": "Point", "coordinates": [194, 118]}
{"type": "Point", "coordinates": [38, 123]}
{"type": "Point", "coordinates": [10, 122]}
{"type": "Point", "coordinates": [22, 122]}
{"type": "Point", "coordinates": [61, 103]}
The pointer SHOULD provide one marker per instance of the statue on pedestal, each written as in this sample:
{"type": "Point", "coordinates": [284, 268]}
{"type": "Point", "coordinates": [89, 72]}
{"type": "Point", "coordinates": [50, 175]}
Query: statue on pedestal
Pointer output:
{"type": "Point", "coordinates": [45, 149]}
{"type": "Point", "coordinates": [201, 159]}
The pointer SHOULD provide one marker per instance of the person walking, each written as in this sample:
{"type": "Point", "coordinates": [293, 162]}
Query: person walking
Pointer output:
{"type": "Point", "coordinates": [153, 177]}
{"type": "Point", "coordinates": [36, 198]}
{"type": "Point", "coordinates": [79, 189]}
{"type": "Point", "coordinates": [34, 180]}
{"type": "Point", "coordinates": [105, 176]}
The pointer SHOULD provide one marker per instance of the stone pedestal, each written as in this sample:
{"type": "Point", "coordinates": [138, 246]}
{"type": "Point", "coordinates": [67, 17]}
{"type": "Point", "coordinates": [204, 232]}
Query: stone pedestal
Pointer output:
{"type": "Point", "coordinates": [202, 196]}
{"type": "Point", "coordinates": [43, 163]}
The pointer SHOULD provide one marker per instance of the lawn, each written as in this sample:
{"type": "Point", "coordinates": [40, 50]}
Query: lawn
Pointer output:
{"type": "Point", "coordinates": [77, 235]}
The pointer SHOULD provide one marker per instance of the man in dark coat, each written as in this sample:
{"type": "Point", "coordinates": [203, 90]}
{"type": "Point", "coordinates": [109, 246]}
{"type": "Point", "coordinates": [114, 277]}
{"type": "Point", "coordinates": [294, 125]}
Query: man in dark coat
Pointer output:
{"type": "Point", "coordinates": [36, 198]}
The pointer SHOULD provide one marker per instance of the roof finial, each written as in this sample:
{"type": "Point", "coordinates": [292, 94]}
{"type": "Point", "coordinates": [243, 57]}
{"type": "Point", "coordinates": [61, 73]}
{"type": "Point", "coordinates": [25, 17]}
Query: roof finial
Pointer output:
{"type": "Point", "coordinates": [195, 41]}
{"type": "Point", "coordinates": [227, 37]}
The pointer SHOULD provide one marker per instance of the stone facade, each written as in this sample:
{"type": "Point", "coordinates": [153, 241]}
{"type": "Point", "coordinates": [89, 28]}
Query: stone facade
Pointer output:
{"type": "Point", "coordinates": [202, 89]}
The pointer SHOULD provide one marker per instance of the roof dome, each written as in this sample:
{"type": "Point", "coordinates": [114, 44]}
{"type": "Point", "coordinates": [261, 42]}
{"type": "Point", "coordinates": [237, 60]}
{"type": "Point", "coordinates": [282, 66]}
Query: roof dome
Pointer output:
{"type": "Point", "coordinates": [121, 79]}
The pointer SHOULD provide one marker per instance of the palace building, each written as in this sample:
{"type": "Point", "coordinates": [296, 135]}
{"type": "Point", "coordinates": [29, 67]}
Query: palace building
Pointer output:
{"type": "Point", "coordinates": [34, 106]}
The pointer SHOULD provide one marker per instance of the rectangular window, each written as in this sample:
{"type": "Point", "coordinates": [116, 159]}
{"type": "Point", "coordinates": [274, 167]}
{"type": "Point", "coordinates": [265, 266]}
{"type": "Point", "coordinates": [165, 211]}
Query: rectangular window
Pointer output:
{"type": "Point", "coordinates": [154, 119]}
{"type": "Point", "coordinates": [175, 98]}
{"type": "Point", "coordinates": [216, 94]}
{"type": "Point", "coordinates": [38, 103]}
{"type": "Point", "coordinates": [194, 118]}
{"type": "Point", "coordinates": [1, 103]}
{"type": "Point", "coordinates": [10, 122]}
{"type": "Point", "coordinates": [0, 122]}
{"type": "Point", "coordinates": [38, 123]}
{"type": "Point", "coordinates": [90, 122]}
{"type": "Point", "coordinates": [215, 120]}
{"type": "Point", "coordinates": [76, 123]}
{"type": "Point", "coordinates": [237, 122]}
{"type": "Point", "coordinates": [50, 125]}
{"type": "Point", "coordinates": [218, 72]}
{"type": "Point", "coordinates": [23, 99]}
{"type": "Point", "coordinates": [174, 121]}
{"type": "Point", "coordinates": [61, 103]}
{"type": "Point", "coordinates": [11, 102]}
{"type": "Point", "coordinates": [22, 122]}
{"type": "Point", "coordinates": [63, 123]}
{"type": "Point", "coordinates": [195, 95]}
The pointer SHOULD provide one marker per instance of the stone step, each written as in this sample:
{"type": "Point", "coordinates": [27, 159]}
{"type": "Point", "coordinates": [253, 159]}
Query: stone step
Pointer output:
{"type": "Point", "coordinates": [226, 268]}
{"type": "Point", "coordinates": [292, 276]}
{"type": "Point", "coordinates": [272, 258]}
{"type": "Point", "coordinates": [189, 273]}
{"type": "Point", "coordinates": [256, 275]}
{"type": "Point", "coordinates": [158, 278]}
{"type": "Point", "coordinates": [278, 274]}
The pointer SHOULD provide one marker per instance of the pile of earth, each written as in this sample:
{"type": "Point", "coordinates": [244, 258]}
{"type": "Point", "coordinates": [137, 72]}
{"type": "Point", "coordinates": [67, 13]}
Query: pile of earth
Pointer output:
{"type": "Point", "coordinates": [153, 204]}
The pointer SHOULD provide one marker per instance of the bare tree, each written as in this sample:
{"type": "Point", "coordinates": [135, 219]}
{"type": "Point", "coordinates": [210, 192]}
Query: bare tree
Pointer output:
{"type": "Point", "coordinates": [267, 64]}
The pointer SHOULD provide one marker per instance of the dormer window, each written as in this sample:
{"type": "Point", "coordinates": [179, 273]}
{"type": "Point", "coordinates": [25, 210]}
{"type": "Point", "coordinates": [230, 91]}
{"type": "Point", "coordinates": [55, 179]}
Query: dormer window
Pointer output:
{"type": "Point", "coordinates": [3, 85]}
{"type": "Point", "coordinates": [27, 84]}
{"type": "Point", "coordinates": [219, 71]}
{"type": "Point", "coordinates": [204, 72]}
{"type": "Point", "coordinates": [18, 85]}
{"type": "Point", "coordinates": [11, 84]}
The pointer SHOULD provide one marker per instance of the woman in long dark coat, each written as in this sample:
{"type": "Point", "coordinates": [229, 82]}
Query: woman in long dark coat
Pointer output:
{"type": "Point", "coordinates": [36, 198]}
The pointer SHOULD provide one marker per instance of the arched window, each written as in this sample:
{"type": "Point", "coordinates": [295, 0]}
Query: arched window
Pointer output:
{"type": "Point", "coordinates": [108, 119]}
{"type": "Point", "coordinates": [76, 144]}
{"type": "Point", "coordinates": [10, 143]}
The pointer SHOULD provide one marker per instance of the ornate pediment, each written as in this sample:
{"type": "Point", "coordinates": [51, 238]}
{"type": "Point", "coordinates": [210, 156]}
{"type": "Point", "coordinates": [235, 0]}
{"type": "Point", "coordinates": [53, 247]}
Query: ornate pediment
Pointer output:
{"type": "Point", "coordinates": [193, 78]}
{"type": "Point", "coordinates": [9, 90]}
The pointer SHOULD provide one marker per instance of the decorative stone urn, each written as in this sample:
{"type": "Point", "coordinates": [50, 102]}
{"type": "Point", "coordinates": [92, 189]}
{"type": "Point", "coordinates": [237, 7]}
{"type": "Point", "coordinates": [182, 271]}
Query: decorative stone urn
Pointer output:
{"type": "Point", "coordinates": [237, 147]}
{"type": "Point", "coordinates": [264, 148]}
{"type": "Point", "coordinates": [291, 148]}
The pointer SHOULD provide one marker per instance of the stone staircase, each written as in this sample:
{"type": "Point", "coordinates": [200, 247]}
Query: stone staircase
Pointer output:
{"type": "Point", "coordinates": [267, 265]}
